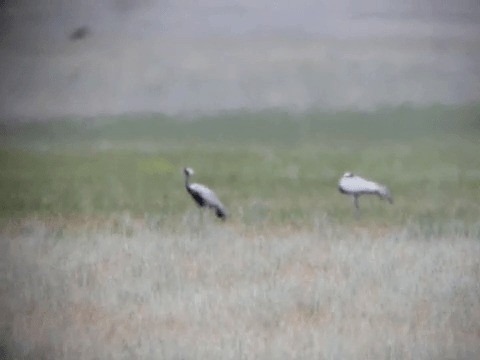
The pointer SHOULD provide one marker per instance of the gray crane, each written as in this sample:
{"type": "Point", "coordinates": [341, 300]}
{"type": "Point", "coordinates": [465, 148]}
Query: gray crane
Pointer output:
{"type": "Point", "coordinates": [203, 196]}
{"type": "Point", "coordinates": [351, 184]}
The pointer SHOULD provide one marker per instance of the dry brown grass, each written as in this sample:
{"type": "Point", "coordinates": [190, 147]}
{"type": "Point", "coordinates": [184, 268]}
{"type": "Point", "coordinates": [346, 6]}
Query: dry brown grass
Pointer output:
{"type": "Point", "coordinates": [215, 292]}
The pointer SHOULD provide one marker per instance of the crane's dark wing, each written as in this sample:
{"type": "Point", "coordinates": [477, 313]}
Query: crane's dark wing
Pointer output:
{"type": "Point", "coordinates": [196, 196]}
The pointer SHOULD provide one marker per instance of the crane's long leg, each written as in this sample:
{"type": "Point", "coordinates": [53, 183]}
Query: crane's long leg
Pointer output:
{"type": "Point", "coordinates": [201, 219]}
{"type": "Point", "coordinates": [357, 207]}
{"type": "Point", "coordinates": [198, 224]}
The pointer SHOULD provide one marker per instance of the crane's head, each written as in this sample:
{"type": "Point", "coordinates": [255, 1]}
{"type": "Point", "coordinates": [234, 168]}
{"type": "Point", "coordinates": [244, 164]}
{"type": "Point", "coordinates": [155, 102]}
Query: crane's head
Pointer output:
{"type": "Point", "coordinates": [188, 171]}
{"type": "Point", "coordinates": [348, 174]}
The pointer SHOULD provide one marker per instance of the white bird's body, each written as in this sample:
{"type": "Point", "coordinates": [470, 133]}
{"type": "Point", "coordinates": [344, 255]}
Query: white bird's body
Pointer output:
{"type": "Point", "coordinates": [354, 185]}
{"type": "Point", "coordinates": [204, 196]}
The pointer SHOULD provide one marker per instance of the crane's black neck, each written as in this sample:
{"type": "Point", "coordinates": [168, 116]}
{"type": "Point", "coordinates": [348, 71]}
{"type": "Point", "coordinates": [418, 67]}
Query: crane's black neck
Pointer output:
{"type": "Point", "coordinates": [187, 181]}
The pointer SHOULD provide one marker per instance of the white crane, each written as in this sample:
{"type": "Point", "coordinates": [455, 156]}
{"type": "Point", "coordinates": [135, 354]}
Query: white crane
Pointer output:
{"type": "Point", "coordinates": [203, 196]}
{"type": "Point", "coordinates": [354, 185]}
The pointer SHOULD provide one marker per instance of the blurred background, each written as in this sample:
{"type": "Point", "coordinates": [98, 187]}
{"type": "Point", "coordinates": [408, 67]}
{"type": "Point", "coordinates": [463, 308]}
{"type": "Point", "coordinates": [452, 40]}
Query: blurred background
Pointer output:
{"type": "Point", "coordinates": [88, 57]}
{"type": "Point", "coordinates": [273, 87]}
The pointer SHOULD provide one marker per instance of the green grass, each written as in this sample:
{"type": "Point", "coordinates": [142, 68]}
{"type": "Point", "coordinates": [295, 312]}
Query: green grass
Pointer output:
{"type": "Point", "coordinates": [269, 167]}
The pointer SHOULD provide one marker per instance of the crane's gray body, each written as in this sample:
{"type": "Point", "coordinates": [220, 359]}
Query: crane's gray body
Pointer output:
{"type": "Point", "coordinates": [356, 186]}
{"type": "Point", "coordinates": [204, 196]}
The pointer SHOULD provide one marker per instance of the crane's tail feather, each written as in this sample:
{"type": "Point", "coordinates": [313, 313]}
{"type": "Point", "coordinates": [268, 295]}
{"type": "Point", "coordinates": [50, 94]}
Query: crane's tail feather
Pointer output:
{"type": "Point", "coordinates": [221, 213]}
{"type": "Point", "coordinates": [384, 193]}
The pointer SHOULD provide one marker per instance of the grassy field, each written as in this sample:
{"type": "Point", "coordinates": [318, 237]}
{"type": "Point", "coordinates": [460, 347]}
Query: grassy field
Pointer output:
{"type": "Point", "coordinates": [269, 168]}
{"type": "Point", "coordinates": [105, 255]}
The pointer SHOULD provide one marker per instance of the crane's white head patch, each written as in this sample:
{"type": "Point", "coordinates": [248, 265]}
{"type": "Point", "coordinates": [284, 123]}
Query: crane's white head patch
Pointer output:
{"type": "Point", "coordinates": [348, 174]}
{"type": "Point", "coordinates": [188, 171]}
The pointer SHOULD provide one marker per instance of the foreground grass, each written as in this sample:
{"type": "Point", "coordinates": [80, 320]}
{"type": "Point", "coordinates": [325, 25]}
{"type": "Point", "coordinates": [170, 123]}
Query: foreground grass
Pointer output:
{"type": "Point", "coordinates": [209, 291]}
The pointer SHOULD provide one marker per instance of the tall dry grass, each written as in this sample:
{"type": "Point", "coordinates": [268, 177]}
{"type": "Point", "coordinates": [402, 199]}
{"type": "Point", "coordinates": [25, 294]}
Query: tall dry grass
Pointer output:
{"type": "Point", "coordinates": [211, 291]}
